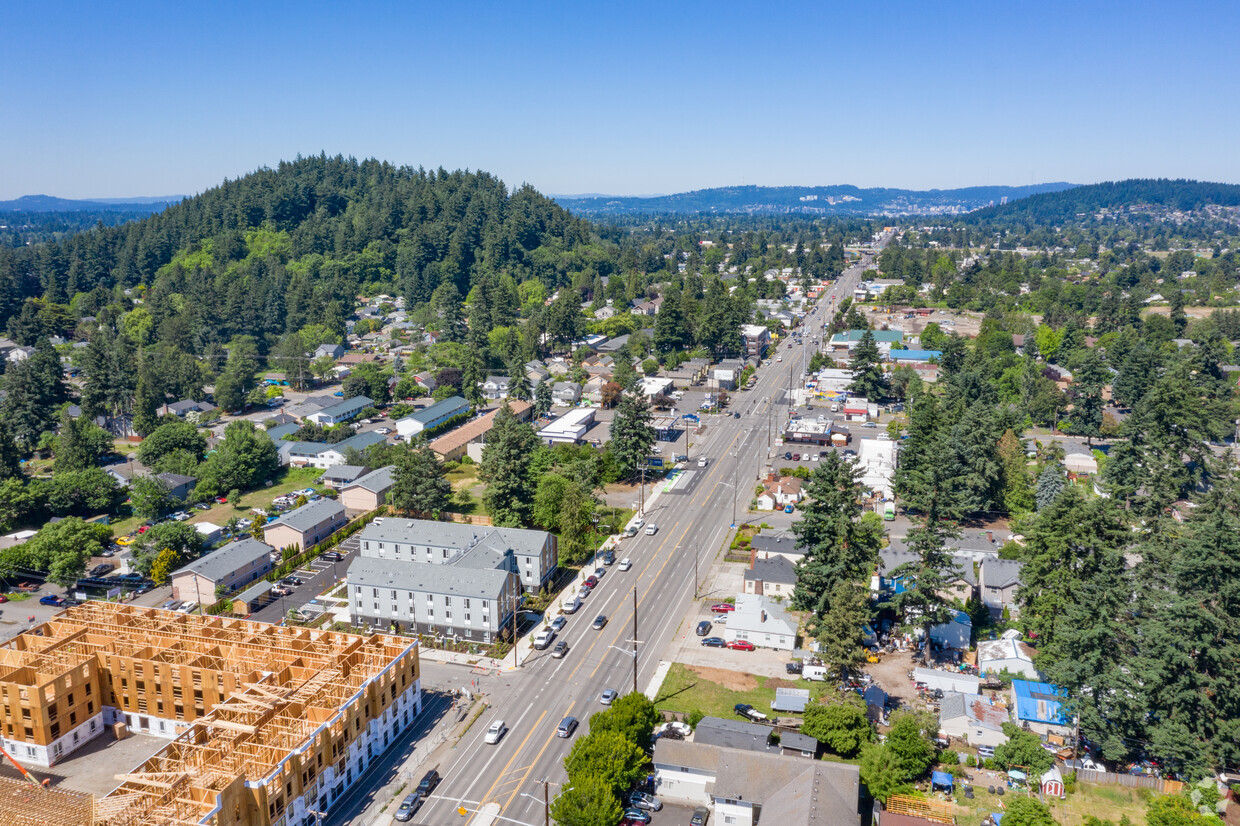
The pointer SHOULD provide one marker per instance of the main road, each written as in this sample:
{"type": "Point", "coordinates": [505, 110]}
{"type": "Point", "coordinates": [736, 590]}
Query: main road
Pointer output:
{"type": "Point", "coordinates": [503, 783]}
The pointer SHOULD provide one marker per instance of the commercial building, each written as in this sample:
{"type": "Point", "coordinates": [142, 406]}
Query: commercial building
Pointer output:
{"type": "Point", "coordinates": [757, 339]}
{"type": "Point", "coordinates": [307, 525]}
{"type": "Point", "coordinates": [233, 566]}
{"type": "Point", "coordinates": [569, 428]}
{"type": "Point", "coordinates": [267, 724]}
{"type": "Point", "coordinates": [842, 344]}
{"type": "Point", "coordinates": [469, 438]}
{"type": "Point", "coordinates": [431, 417]}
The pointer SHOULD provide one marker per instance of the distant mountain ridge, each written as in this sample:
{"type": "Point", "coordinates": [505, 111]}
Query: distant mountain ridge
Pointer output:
{"type": "Point", "coordinates": [1057, 207]}
{"type": "Point", "coordinates": [841, 199]}
{"type": "Point", "coordinates": [50, 203]}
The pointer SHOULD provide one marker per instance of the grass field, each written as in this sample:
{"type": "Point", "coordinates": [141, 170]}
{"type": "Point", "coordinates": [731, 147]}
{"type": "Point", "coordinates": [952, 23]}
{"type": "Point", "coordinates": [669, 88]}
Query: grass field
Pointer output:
{"type": "Point", "coordinates": [1106, 802]}
{"type": "Point", "coordinates": [715, 691]}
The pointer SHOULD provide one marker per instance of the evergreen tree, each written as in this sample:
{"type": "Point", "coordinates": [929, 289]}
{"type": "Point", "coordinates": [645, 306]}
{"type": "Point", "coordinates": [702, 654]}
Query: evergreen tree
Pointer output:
{"type": "Point", "coordinates": [839, 547]}
{"type": "Point", "coordinates": [670, 332]}
{"type": "Point", "coordinates": [518, 385]}
{"type": "Point", "coordinates": [542, 398]}
{"type": "Point", "coordinates": [1087, 385]}
{"type": "Point", "coordinates": [974, 439]}
{"type": "Point", "coordinates": [866, 366]}
{"type": "Point", "coordinates": [33, 389]}
{"type": "Point", "coordinates": [632, 436]}
{"type": "Point", "coordinates": [446, 305]}
{"type": "Point", "coordinates": [1017, 494]}
{"type": "Point", "coordinates": [80, 444]}
{"type": "Point", "coordinates": [505, 468]}
{"type": "Point", "coordinates": [420, 486]}
{"type": "Point", "coordinates": [924, 602]}
{"type": "Point", "coordinates": [840, 630]}
{"type": "Point", "coordinates": [1051, 483]}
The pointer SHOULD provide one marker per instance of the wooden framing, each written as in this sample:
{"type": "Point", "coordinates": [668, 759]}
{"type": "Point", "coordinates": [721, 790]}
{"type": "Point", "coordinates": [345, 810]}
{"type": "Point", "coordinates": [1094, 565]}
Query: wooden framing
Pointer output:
{"type": "Point", "coordinates": [257, 700]}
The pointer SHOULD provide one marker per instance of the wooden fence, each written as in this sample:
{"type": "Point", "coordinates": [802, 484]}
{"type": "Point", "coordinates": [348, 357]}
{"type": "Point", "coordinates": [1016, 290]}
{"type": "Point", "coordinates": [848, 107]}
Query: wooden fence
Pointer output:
{"type": "Point", "coordinates": [1132, 781]}
{"type": "Point", "coordinates": [468, 519]}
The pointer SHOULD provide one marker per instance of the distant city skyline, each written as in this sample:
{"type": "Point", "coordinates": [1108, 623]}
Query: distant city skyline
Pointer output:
{"type": "Point", "coordinates": [147, 99]}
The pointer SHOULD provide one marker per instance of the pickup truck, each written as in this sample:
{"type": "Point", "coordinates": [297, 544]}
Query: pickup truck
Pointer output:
{"type": "Point", "coordinates": [748, 711]}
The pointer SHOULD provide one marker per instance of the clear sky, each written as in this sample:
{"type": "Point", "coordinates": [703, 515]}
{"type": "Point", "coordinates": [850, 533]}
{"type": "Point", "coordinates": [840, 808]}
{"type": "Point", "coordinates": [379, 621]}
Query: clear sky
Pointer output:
{"type": "Point", "coordinates": [158, 98]}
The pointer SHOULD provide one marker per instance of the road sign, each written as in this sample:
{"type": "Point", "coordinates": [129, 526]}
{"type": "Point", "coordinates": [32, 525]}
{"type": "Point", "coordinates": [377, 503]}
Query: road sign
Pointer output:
{"type": "Point", "coordinates": [114, 592]}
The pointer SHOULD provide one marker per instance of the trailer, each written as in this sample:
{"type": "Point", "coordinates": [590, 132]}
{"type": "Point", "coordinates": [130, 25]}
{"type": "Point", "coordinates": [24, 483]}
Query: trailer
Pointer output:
{"type": "Point", "coordinates": [947, 681]}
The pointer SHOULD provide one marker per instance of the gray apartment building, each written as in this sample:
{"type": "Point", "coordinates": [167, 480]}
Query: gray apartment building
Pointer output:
{"type": "Point", "coordinates": [445, 578]}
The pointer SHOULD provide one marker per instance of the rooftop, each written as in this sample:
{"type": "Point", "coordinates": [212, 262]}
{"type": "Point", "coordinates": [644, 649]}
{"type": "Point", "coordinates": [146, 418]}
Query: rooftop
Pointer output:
{"type": "Point", "coordinates": [483, 583]}
{"type": "Point", "coordinates": [310, 515]}
{"type": "Point", "coordinates": [774, 569]}
{"type": "Point", "coordinates": [376, 480]}
{"type": "Point", "coordinates": [733, 734]}
{"type": "Point", "coordinates": [219, 564]}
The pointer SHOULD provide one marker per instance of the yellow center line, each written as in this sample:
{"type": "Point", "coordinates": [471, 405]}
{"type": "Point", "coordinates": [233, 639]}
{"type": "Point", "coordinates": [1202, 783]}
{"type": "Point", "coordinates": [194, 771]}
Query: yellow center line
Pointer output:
{"type": "Point", "coordinates": [537, 757]}
{"type": "Point", "coordinates": [515, 754]}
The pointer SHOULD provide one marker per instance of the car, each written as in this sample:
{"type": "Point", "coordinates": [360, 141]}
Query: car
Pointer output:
{"type": "Point", "coordinates": [657, 449]}
{"type": "Point", "coordinates": [715, 642]}
{"type": "Point", "coordinates": [244, 524]}
{"type": "Point", "coordinates": [221, 500]}
{"type": "Point", "coordinates": [609, 557]}
{"type": "Point", "coordinates": [599, 573]}
{"type": "Point", "coordinates": [736, 415]}
{"type": "Point", "coordinates": [188, 608]}
{"type": "Point", "coordinates": [495, 733]}
{"type": "Point", "coordinates": [408, 807]}
{"type": "Point", "coordinates": [125, 541]}
{"type": "Point", "coordinates": [648, 802]}
{"type": "Point", "coordinates": [171, 605]}
{"type": "Point", "coordinates": [850, 454]}
{"type": "Point", "coordinates": [290, 582]}
{"type": "Point", "coordinates": [429, 781]}
{"type": "Point", "coordinates": [331, 556]}
{"type": "Point", "coordinates": [384, 431]}
{"type": "Point", "coordinates": [700, 815]}
{"type": "Point", "coordinates": [203, 506]}
{"type": "Point", "coordinates": [110, 550]}
{"type": "Point", "coordinates": [625, 564]}
{"type": "Point", "coordinates": [787, 454]}
{"type": "Point", "coordinates": [561, 648]}
{"type": "Point", "coordinates": [788, 508]}
{"type": "Point", "coordinates": [599, 622]}
{"type": "Point", "coordinates": [794, 667]}
{"type": "Point", "coordinates": [703, 628]}
{"type": "Point", "coordinates": [51, 599]}
{"type": "Point", "coordinates": [790, 345]}
{"type": "Point", "coordinates": [566, 727]}
{"type": "Point", "coordinates": [652, 529]}
{"type": "Point", "coordinates": [100, 570]}
{"type": "Point", "coordinates": [870, 424]}
{"type": "Point", "coordinates": [590, 582]}
{"type": "Point", "coordinates": [572, 605]}
{"type": "Point", "coordinates": [608, 696]}
{"type": "Point", "coordinates": [719, 618]}
{"type": "Point", "coordinates": [741, 645]}
{"type": "Point", "coordinates": [722, 607]}
{"type": "Point", "coordinates": [636, 816]}
{"type": "Point", "coordinates": [779, 358]}
{"type": "Point", "coordinates": [796, 457]}
{"type": "Point", "coordinates": [702, 462]}
{"type": "Point", "coordinates": [558, 623]}
{"type": "Point", "coordinates": [143, 529]}
{"type": "Point", "coordinates": [814, 457]}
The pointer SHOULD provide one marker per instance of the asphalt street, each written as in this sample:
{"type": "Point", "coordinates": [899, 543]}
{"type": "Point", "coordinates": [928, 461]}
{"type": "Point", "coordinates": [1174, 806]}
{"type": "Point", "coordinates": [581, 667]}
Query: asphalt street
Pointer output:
{"type": "Point", "coordinates": [646, 604]}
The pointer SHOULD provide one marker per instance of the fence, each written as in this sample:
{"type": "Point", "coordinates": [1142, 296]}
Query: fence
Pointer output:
{"type": "Point", "coordinates": [468, 519]}
{"type": "Point", "coordinates": [1132, 781]}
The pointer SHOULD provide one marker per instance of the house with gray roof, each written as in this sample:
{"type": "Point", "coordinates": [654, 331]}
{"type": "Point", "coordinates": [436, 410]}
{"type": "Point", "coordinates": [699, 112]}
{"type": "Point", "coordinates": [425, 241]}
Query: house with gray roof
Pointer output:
{"type": "Point", "coordinates": [280, 432]}
{"type": "Point", "coordinates": [796, 744]}
{"type": "Point", "coordinates": [341, 411]}
{"type": "Point", "coordinates": [305, 526]}
{"type": "Point", "coordinates": [767, 543]}
{"type": "Point", "coordinates": [998, 581]}
{"type": "Point", "coordinates": [775, 576]}
{"type": "Point", "coordinates": [431, 417]}
{"type": "Point", "coordinates": [734, 734]}
{"type": "Point", "coordinates": [338, 476]}
{"type": "Point", "coordinates": [179, 487]}
{"type": "Point", "coordinates": [308, 405]}
{"type": "Point", "coordinates": [748, 788]}
{"type": "Point", "coordinates": [368, 492]}
{"type": "Point", "coordinates": [233, 566]}
{"type": "Point", "coordinates": [566, 393]}
{"type": "Point", "coordinates": [324, 455]}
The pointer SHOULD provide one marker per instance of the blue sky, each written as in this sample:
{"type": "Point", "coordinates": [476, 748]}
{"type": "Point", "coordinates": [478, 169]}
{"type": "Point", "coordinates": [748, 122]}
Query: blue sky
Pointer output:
{"type": "Point", "coordinates": [622, 97]}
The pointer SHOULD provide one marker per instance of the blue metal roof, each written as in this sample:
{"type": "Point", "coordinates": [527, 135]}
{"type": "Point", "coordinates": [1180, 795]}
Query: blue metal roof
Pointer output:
{"type": "Point", "coordinates": [916, 355]}
{"type": "Point", "coordinates": [1040, 703]}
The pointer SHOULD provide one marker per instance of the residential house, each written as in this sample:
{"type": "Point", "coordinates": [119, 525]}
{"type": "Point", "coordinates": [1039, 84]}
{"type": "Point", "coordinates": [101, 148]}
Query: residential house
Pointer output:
{"type": "Point", "coordinates": [185, 406]}
{"type": "Point", "coordinates": [566, 393]}
{"type": "Point", "coordinates": [796, 744]}
{"type": "Point", "coordinates": [210, 533]}
{"type": "Point", "coordinates": [613, 345]}
{"type": "Point", "coordinates": [885, 581]}
{"type": "Point", "coordinates": [768, 543]}
{"type": "Point", "coordinates": [354, 359]}
{"type": "Point", "coordinates": [647, 308]}
{"type": "Point", "coordinates": [431, 417]}
{"type": "Point", "coordinates": [19, 354]}
{"type": "Point", "coordinates": [281, 432]}
{"type": "Point", "coordinates": [425, 380]}
{"type": "Point", "coordinates": [604, 312]}
{"type": "Point", "coordinates": [306, 526]}
{"type": "Point", "coordinates": [975, 719]}
{"type": "Point", "coordinates": [599, 365]}
{"type": "Point", "coordinates": [779, 492]}
{"type": "Point", "coordinates": [179, 487]}
{"type": "Point", "coordinates": [341, 411]}
{"type": "Point", "coordinates": [999, 580]}
{"type": "Point", "coordinates": [338, 476]}
{"type": "Point", "coordinates": [232, 566]}
{"type": "Point", "coordinates": [842, 344]}
{"type": "Point", "coordinates": [536, 373]}
{"type": "Point", "coordinates": [877, 461]}
{"type": "Point", "coordinates": [332, 351]}
{"type": "Point", "coordinates": [532, 555]}
{"type": "Point", "coordinates": [558, 367]}
{"type": "Point", "coordinates": [772, 577]}
{"type": "Point", "coordinates": [301, 411]}
{"type": "Point", "coordinates": [369, 491]}
{"type": "Point", "coordinates": [592, 390]}
{"type": "Point", "coordinates": [1008, 653]}
{"type": "Point", "coordinates": [1080, 464]}
{"type": "Point", "coordinates": [1039, 708]}
{"type": "Point", "coordinates": [495, 387]}
{"type": "Point", "coordinates": [955, 634]}
{"type": "Point", "coordinates": [746, 788]}
{"type": "Point", "coordinates": [761, 621]}
{"type": "Point", "coordinates": [961, 582]}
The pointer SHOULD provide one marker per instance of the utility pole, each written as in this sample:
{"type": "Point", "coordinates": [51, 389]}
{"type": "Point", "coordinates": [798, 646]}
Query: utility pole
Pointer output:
{"type": "Point", "coordinates": [634, 640]}
{"type": "Point", "coordinates": [515, 662]}
{"type": "Point", "coordinates": [641, 507]}
{"type": "Point", "coordinates": [546, 806]}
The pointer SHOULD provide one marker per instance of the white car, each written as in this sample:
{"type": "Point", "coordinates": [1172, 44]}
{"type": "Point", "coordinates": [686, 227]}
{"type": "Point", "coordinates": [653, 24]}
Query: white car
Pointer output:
{"type": "Point", "coordinates": [702, 462]}
{"type": "Point", "coordinates": [384, 430]}
{"type": "Point", "coordinates": [652, 529]}
{"type": "Point", "coordinates": [495, 733]}
{"type": "Point", "coordinates": [625, 564]}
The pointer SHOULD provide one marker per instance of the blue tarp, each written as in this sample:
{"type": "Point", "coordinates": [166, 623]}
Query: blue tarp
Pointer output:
{"type": "Point", "coordinates": [941, 779]}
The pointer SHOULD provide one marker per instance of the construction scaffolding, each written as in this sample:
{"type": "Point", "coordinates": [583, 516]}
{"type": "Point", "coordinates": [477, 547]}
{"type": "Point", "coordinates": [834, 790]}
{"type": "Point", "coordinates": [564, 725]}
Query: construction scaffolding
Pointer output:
{"type": "Point", "coordinates": [24, 805]}
{"type": "Point", "coordinates": [272, 700]}
{"type": "Point", "coordinates": [938, 811]}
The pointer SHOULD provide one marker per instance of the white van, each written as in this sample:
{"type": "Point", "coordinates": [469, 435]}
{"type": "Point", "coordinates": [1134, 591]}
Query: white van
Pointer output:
{"type": "Point", "coordinates": [573, 604]}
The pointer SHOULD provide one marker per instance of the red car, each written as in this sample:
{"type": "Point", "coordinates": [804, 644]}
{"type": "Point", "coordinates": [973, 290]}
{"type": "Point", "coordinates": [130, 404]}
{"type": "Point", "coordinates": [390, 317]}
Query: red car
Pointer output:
{"type": "Point", "coordinates": [590, 582]}
{"type": "Point", "coordinates": [221, 500]}
{"type": "Point", "coordinates": [722, 607]}
{"type": "Point", "coordinates": [741, 645]}
{"type": "Point", "coordinates": [144, 529]}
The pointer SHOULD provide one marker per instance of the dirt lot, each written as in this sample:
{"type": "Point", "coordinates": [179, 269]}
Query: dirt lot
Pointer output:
{"type": "Point", "coordinates": [965, 324]}
{"type": "Point", "coordinates": [891, 674]}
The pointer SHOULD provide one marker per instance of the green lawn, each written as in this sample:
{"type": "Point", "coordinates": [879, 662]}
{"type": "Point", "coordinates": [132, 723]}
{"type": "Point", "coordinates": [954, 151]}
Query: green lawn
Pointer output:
{"type": "Point", "coordinates": [1107, 802]}
{"type": "Point", "coordinates": [684, 690]}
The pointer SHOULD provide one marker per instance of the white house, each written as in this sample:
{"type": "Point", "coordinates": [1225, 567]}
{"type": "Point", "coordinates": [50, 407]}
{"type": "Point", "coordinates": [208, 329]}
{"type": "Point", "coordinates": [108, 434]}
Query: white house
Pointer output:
{"type": "Point", "coordinates": [877, 462]}
{"type": "Point", "coordinates": [947, 680]}
{"type": "Point", "coordinates": [778, 492]}
{"type": "Point", "coordinates": [1008, 654]}
{"type": "Point", "coordinates": [972, 718]}
{"type": "Point", "coordinates": [762, 622]}
{"type": "Point", "coordinates": [565, 393]}
{"type": "Point", "coordinates": [496, 387]}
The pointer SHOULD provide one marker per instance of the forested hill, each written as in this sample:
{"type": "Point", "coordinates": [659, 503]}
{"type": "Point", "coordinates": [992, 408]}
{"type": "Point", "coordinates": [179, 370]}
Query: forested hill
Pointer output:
{"type": "Point", "coordinates": [1132, 194]}
{"type": "Point", "coordinates": [808, 200]}
{"type": "Point", "coordinates": [50, 203]}
{"type": "Point", "coordinates": [282, 248]}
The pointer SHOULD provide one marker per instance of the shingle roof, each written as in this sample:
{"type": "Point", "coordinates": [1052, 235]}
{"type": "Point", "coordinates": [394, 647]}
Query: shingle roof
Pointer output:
{"type": "Point", "coordinates": [375, 481]}
{"type": "Point", "coordinates": [174, 480]}
{"type": "Point", "coordinates": [438, 409]}
{"type": "Point", "coordinates": [1000, 573]}
{"type": "Point", "coordinates": [255, 591]}
{"type": "Point", "coordinates": [345, 407]}
{"type": "Point", "coordinates": [776, 569]}
{"type": "Point", "coordinates": [310, 514]}
{"type": "Point", "coordinates": [345, 473]}
{"type": "Point", "coordinates": [455, 535]}
{"type": "Point", "coordinates": [784, 543]}
{"type": "Point", "coordinates": [733, 734]}
{"type": "Point", "coordinates": [797, 740]}
{"type": "Point", "coordinates": [474, 428]}
{"type": "Point", "coordinates": [219, 564]}
{"type": "Point", "coordinates": [484, 583]}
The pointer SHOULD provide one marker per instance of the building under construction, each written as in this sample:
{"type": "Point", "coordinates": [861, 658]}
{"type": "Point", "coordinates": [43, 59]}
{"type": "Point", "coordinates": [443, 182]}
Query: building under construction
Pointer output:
{"type": "Point", "coordinates": [267, 725]}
